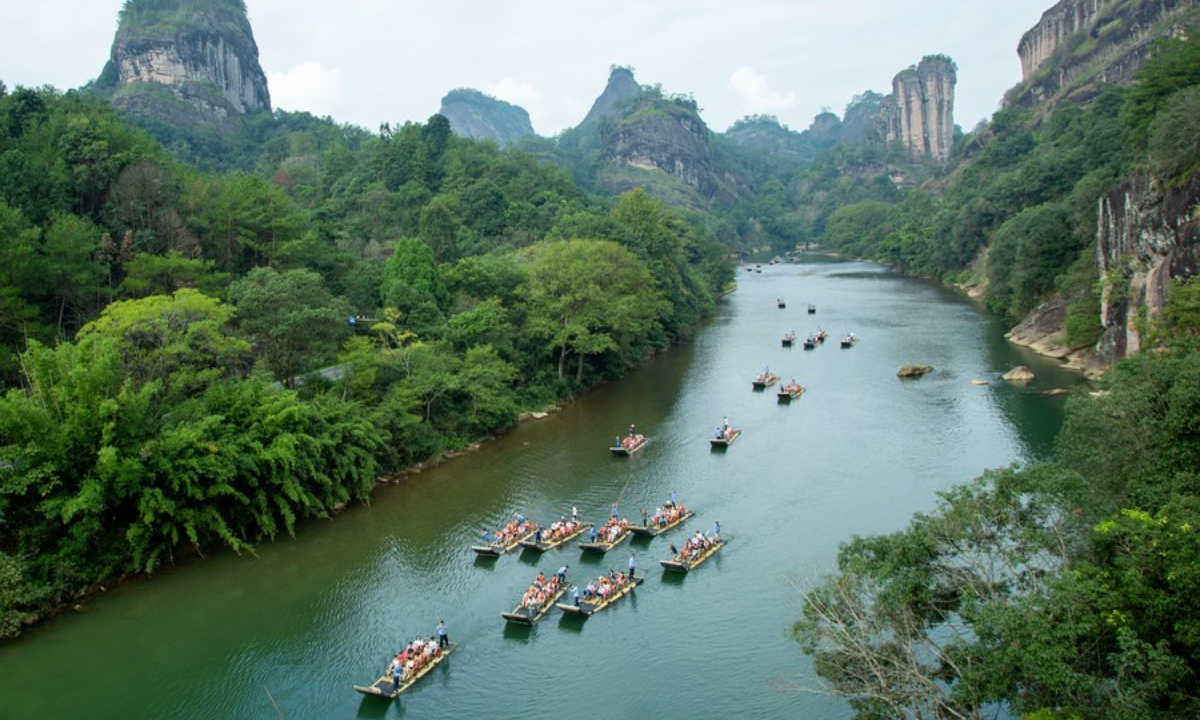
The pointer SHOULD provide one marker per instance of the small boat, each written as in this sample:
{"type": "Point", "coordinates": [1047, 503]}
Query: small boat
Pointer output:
{"type": "Point", "coordinates": [788, 339]}
{"type": "Point", "coordinates": [543, 543]}
{"type": "Point", "coordinates": [593, 606]}
{"type": "Point", "coordinates": [523, 615]}
{"type": "Point", "coordinates": [780, 303]}
{"type": "Point", "coordinates": [688, 560]}
{"type": "Point", "coordinates": [629, 445]}
{"type": "Point", "coordinates": [496, 549]}
{"type": "Point", "coordinates": [725, 439]}
{"type": "Point", "coordinates": [788, 393]}
{"type": "Point", "coordinates": [811, 342]}
{"type": "Point", "coordinates": [812, 309]}
{"type": "Point", "coordinates": [822, 336]}
{"type": "Point", "coordinates": [653, 529]}
{"type": "Point", "coordinates": [603, 546]}
{"type": "Point", "coordinates": [849, 341]}
{"type": "Point", "coordinates": [764, 381]}
{"type": "Point", "coordinates": [383, 686]}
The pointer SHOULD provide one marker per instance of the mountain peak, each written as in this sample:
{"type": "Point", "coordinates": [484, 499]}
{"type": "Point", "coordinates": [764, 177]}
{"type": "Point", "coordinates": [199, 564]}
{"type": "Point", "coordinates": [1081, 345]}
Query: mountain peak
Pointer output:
{"type": "Point", "coordinates": [622, 86]}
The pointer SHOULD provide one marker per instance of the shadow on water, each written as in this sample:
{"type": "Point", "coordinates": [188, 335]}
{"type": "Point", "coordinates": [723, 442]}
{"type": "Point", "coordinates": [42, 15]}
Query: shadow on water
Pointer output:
{"type": "Point", "coordinates": [674, 578]}
{"type": "Point", "coordinates": [487, 562]}
{"type": "Point", "coordinates": [530, 557]}
{"type": "Point", "coordinates": [374, 707]}
{"type": "Point", "coordinates": [518, 632]}
{"type": "Point", "coordinates": [572, 622]}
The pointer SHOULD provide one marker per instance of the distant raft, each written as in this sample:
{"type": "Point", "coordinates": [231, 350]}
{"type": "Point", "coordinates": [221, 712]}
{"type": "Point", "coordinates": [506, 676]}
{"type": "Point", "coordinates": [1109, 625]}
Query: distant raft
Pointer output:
{"type": "Point", "coordinates": [764, 381]}
{"type": "Point", "coordinates": [725, 438]}
{"type": "Point", "coordinates": [383, 687]}
{"type": "Point", "coordinates": [523, 615]}
{"type": "Point", "coordinates": [629, 445]}
{"type": "Point", "coordinates": [569, 530]}
{"type": "Point", "coordinates": [653, 529]}
{"type": "Point", "coordinates": [605, 541]}
{"type": "Point", "coordinates": [790, 392]}
{"type": "Point", "coordinates": [496, 549]}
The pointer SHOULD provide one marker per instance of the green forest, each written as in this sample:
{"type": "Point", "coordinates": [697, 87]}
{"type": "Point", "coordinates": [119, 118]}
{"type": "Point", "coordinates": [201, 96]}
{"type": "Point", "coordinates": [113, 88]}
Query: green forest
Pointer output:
{"type": "Point", "coordinates": [204, 358]}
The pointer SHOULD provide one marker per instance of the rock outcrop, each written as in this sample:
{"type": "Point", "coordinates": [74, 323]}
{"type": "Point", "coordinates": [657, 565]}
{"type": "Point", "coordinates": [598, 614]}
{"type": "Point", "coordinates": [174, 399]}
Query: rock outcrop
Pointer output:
{"type": "Point", "coordinates": [914, 371]}
{"type": "Point", "coordinates": [1080, 43]}
{"type": "Point", "coordinates": [473, 114]}
{"type": "Point", "coordinates": [184, 63]}
{"type": "Point", "coordinates": [1019, 374]}
{"type": "Point", "coordinates": [664, 135]}
{"type": "Point", "coordinates": [919, 114]}
{"type": "Point", "coordinates": [1146, 239]}
{"type": "Point", "coordinates": [621, 88]}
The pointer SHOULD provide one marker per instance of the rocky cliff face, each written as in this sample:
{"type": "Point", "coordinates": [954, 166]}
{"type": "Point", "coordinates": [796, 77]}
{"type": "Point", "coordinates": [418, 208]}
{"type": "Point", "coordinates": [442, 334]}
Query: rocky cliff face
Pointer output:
{"type": "Point", "coordinates": [1079, 43]}
{"type": "Point", "coordinates": [663, 135]}
{"type": "Point", "coordinates": [185, 62]}
{"type": "Point", "coordinates": [919, 114]}
{"type": "Point", "coordinates": [1146, 239]}
{"type": "Point", "coordinates": [473, 114]}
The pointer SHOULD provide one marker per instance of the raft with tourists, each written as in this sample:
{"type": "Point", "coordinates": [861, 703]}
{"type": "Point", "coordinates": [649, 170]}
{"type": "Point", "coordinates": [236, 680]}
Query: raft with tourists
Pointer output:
{"type": "Point", "coordinates": [601, 593]}
{"type": "Point", "coordinates": [559, 533]}
{"type": "Point", "coordinates": [789, 338]}
{"type": "Point", "coordinates": [695, 551]}
{"type": "Point", "coordinates": [614, 532]}
{"type": "Point", "coordinates": [812, 309]}
{"type": "Point", "coordinates": [665, 518]}
{"type": "Point", "coordinates": [764, 380]}
{"type": "Point", "coordinates": [849, 340]}
{"type": "Point", "coordinates": [386, 686]}
{"type": "Point", "coordinates": [628, 445]}
{"type": "Point", "coordinates": [538, 600]}
{"type": "Point", "coordinates": [790, 392]}
{"type": "Point", "coordinates": [506, 539]}
{"type": "Point", "coordinates": [725, 436]}
{"type": "Point", "coordinates": [780, 303]}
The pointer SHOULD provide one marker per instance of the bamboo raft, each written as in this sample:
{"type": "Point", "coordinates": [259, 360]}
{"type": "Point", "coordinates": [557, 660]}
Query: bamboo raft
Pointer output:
{"type": "Point", "coordinates": [764, 381]}
{"type": "Point", "coordinates": [789, 339]}
{"type": "Point", "coordinates": [589, 607]}
{"type": "Point", "coordinates": [627, 451]}
{"type": "Point", "coordinates": [812, 309]}
{"type": "Point", "coordinates": [656, 530]}
{"type": "Point", "coordinates": [543, 545]}
{"type": "Point", "coordinates": [383, 686]}
{"type": "Point", "coordinates": [849, 341]}
{"type": "Point", "coordinates": [679, 565]}
{"type": "Point", "coordinates": [527, 616]}
{"type": "Point", "coordinates": [498, 549]}
{"type": "Point", "coordinates": [723, 442]}
{"type": "Point", "coordinates": [603, 546]}
{"type": "Point", "coordinates": [789, 393]}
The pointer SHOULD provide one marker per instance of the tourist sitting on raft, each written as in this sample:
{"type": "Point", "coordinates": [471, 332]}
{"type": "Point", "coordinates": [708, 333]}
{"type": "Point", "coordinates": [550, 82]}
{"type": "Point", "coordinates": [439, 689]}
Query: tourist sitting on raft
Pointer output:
{"type": "Point", "coordinates": [613, 529]}
{"type": "Point", "coordinates": [792, 387]}
{"type": "Point", "coordinates": [667, 514]}
{"type": "Point", "coordinates": [724, 433]}
{"type": "Point", "coordinates": [632, 441]}
{"type": "Point", "coordinates": [693, 548]}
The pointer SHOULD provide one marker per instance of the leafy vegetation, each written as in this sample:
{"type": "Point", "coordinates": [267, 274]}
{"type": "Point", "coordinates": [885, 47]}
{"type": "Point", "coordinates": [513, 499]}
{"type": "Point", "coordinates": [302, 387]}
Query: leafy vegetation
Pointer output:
{"type": "Point", "coordinates": [1066, 589]}
{"type": "Point", "coordinates": [199, 357]}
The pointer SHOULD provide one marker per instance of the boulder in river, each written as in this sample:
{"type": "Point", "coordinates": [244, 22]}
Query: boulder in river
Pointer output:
{"type": "Point", "coordinates": [1019, 374]}
{"type": "Point", "coordinates": [913, 371]}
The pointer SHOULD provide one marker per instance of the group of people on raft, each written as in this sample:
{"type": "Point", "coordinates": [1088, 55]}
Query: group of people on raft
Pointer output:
{"type": "Point", "coordinates": [613, 529]}
{"type": "Point", "coordinates": [630, 441]}
{"type": "Point", "coordinates": [519, 527]}
{"type": "Point", "coordinates": [543, 591]}
{"type": "Point", "coordinates": [817, 338]}
{"type": "Point", "coordinates": [600, 588]}
{"type": "Point", "coordinates": [558, 530]}
{"type": "Point", "coordinates": [792, 387]}
{"type": "Point", "coordinates": [696, 545]}
{"type": "Point", "coordinates": [665, 515]}
{"type": "Point", "coordinates": [726, 431]}
{"type": "Point", "coordinates": [416, 655]}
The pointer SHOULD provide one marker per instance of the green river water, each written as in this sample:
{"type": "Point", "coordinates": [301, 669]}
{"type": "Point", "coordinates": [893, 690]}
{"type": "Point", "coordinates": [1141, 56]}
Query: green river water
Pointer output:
{"type": "Point", "coordinates": [287, 632]}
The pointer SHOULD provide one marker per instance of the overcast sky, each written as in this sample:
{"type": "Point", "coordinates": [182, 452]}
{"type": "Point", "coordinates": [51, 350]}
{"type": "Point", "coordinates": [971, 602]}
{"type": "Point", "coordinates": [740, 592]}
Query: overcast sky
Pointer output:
{"type": "Point", "coordinates": [370, 61]}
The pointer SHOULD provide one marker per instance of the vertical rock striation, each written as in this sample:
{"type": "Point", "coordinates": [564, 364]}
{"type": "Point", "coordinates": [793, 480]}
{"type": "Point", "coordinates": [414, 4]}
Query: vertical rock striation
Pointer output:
{"type": "Point", "coordinates": [1145, 240]}
{"type": "Point", "coordinates": [919, 114]}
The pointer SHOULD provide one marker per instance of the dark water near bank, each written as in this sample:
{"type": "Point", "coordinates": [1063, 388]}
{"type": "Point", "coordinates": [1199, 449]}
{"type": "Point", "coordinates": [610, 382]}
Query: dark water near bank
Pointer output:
{"type": "Point", "coordinates": [305, 619]}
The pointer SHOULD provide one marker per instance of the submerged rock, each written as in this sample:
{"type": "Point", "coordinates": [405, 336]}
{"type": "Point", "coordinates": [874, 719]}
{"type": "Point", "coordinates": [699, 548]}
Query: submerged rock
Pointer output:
{"type": "Point", "coordinates": [914, 371]}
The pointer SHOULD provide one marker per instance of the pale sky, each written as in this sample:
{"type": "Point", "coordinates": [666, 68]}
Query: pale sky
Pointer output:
{"type": "Point", "coordinates": [367, 62]}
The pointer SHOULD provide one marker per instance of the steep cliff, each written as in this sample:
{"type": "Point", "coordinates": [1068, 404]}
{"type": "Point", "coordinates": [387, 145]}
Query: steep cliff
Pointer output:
{"type": "Point", "coordinates": [473, 114]}
{"type": "Point", "coordinates": [1146, 239]}
{"type": "Point", "coordinates": [919, 114]}
{"type": "Point", "coordinates": [1080, 43]}
{"type": "Point", "coordinates": [661, 134]}
{"type": "Point", "coordinates": [185, 63]}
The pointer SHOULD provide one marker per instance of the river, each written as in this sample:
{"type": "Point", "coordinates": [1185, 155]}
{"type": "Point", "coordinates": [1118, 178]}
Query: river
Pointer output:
{"type": "Point", "coordinates": [287, 631]}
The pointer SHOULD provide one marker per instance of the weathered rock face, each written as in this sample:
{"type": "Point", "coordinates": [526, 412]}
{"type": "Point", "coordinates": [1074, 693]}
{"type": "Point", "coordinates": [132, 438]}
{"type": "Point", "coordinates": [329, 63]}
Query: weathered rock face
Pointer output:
{"type": "Point", "coordinates": [181, 62]}
{"type": "Point", "coordinates": [621, 88]}
{"type": "Point", "coordinates": [919, 114]}
{"type": "Point", "coordinates": [473, 114]}
{"type": "Point", "coordinates": [1145, 240]}
{"type": "Point", "coordinates": [658, 134]}
{"type": "Point", "coordinates": [1080, 43]}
